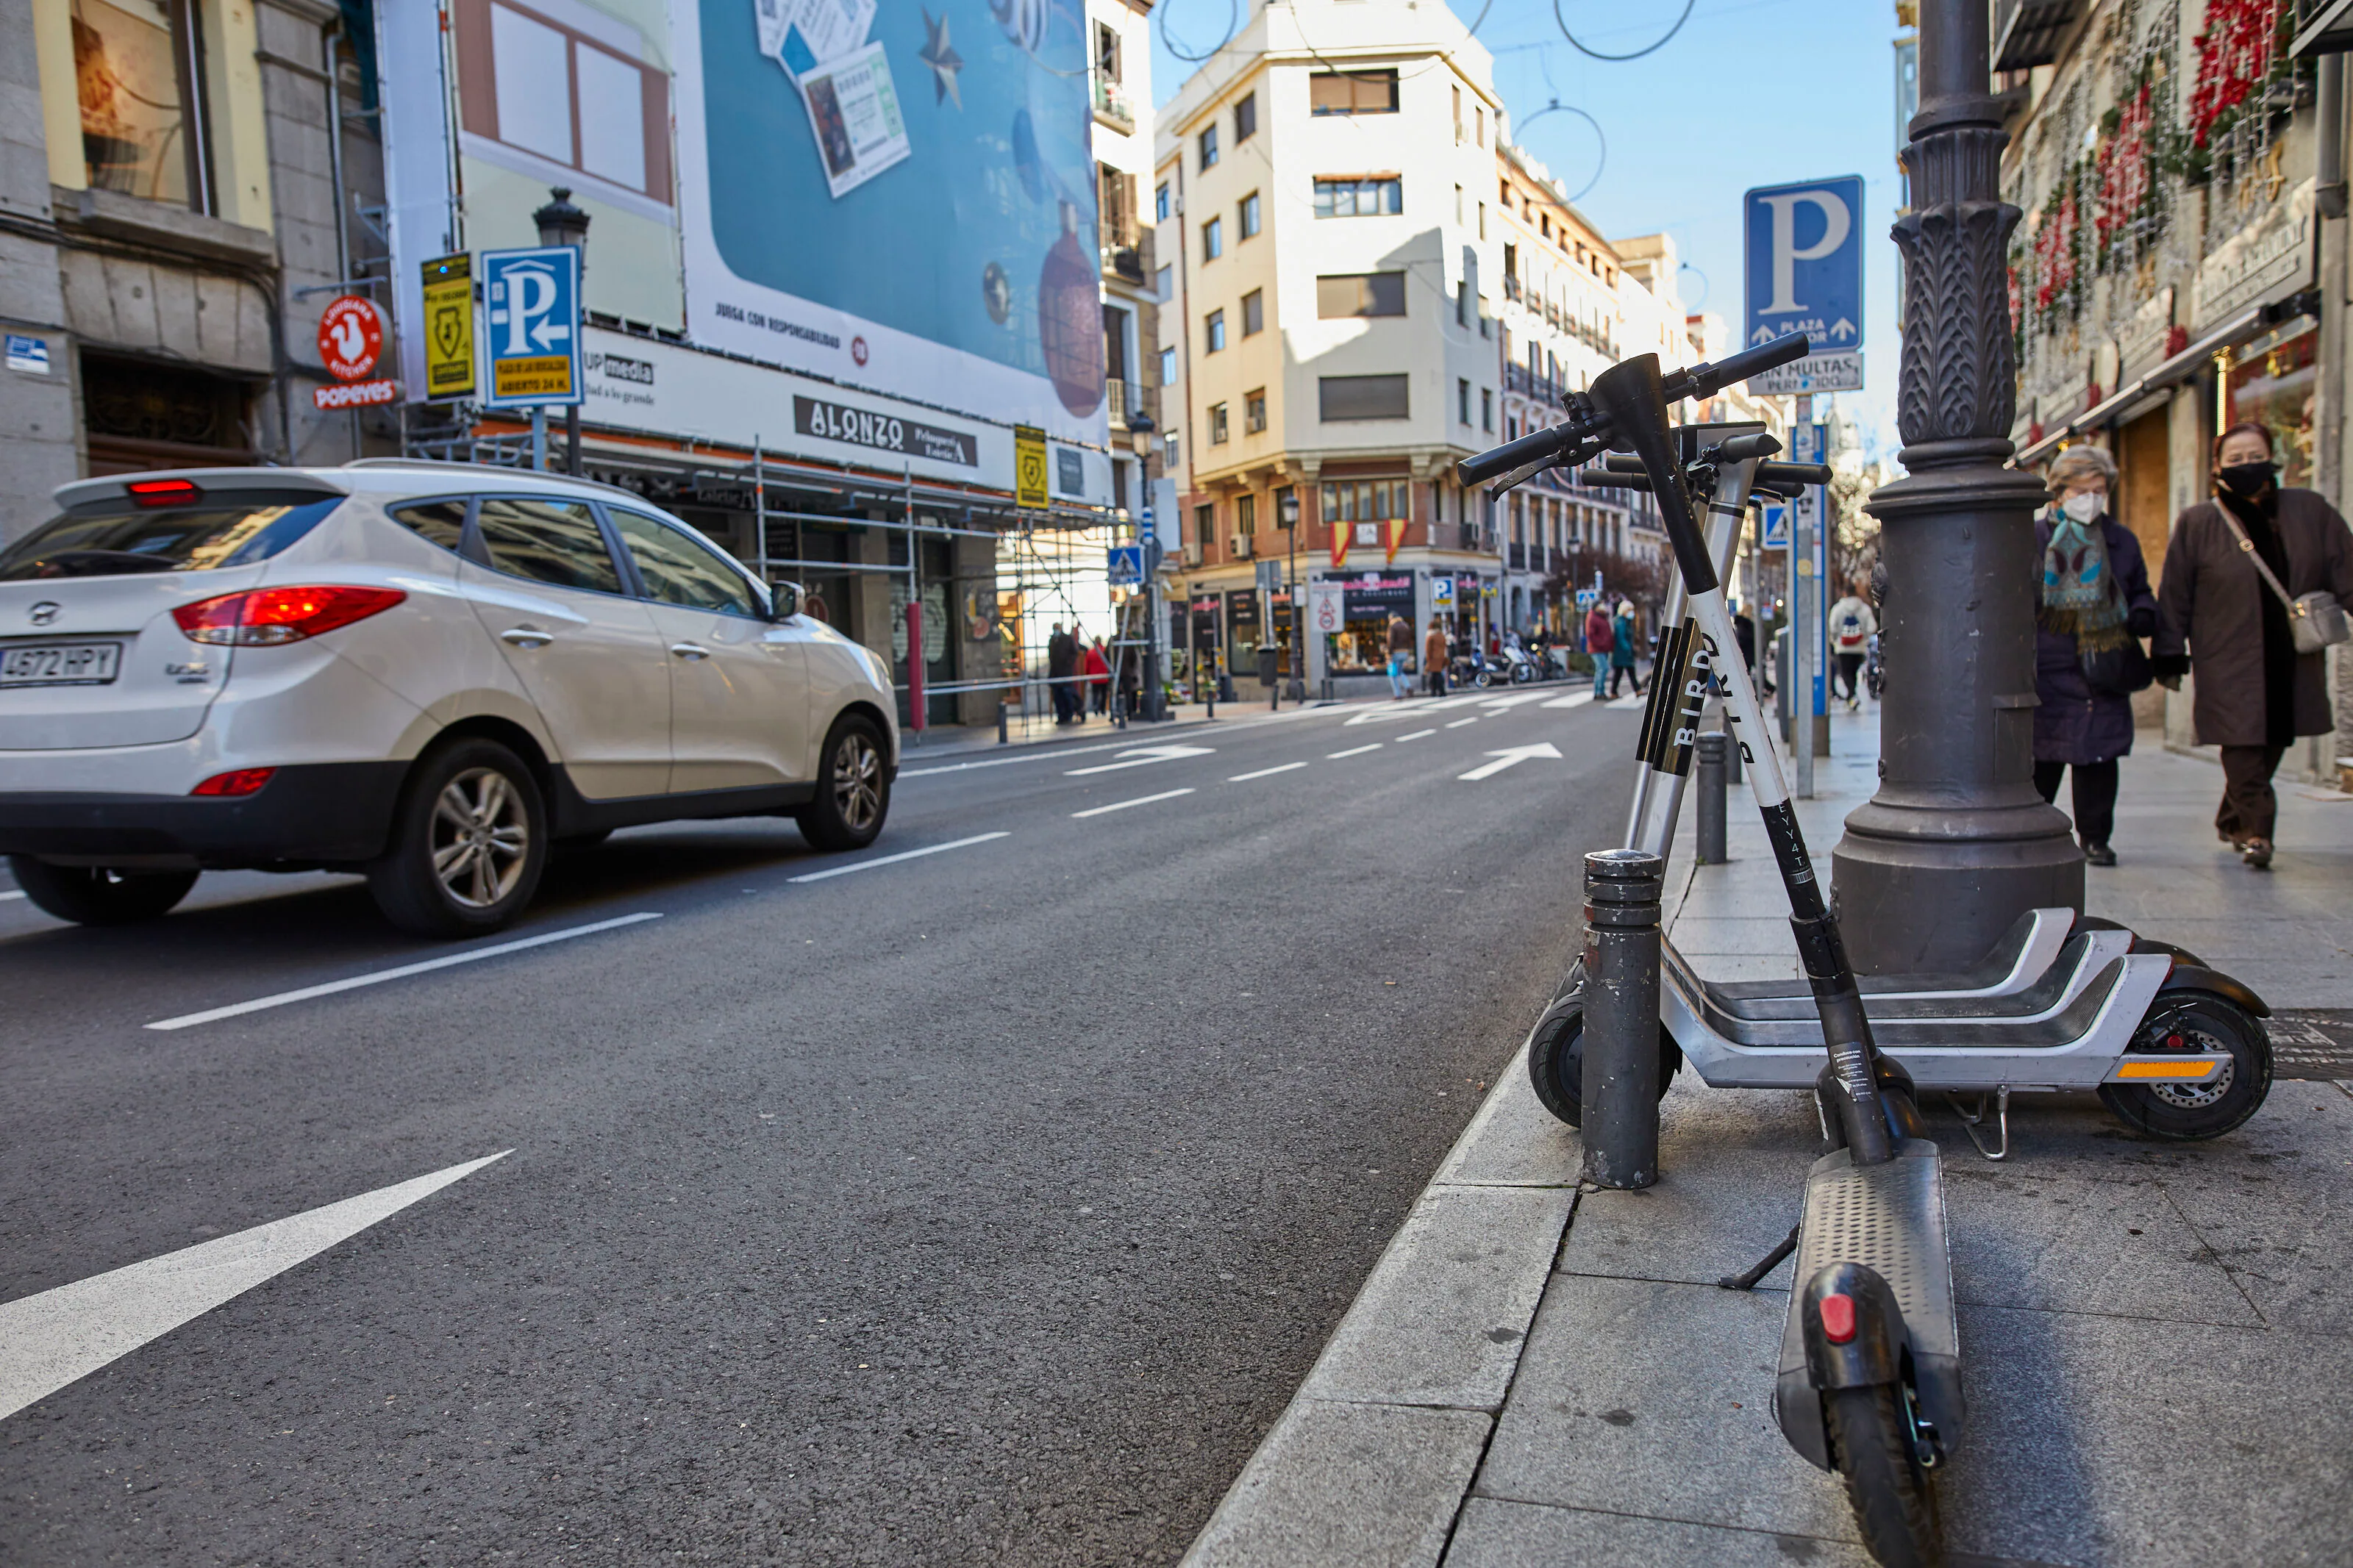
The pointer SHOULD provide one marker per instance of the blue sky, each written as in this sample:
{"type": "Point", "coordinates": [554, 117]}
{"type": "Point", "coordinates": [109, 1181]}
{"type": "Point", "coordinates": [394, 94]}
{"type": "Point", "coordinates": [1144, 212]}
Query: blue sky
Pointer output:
{"type": "Point", "coordinates": [1750, 92]}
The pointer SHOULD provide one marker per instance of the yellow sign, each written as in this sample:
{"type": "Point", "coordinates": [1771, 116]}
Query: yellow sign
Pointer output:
{"type": "Point", "coordinates": [1028, 465]}
{"type": "Point", "coordinates": [543, 377]}
{"type": "Point", "coordinates": [449, 327]}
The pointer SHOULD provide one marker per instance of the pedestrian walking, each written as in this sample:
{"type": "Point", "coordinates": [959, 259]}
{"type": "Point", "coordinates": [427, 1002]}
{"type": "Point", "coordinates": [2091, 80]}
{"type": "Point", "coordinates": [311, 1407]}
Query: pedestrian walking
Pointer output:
{"type": "Point", "coordinates": [1853, 625]}
{"type": "Point", "coordinates": [1097, 669]}
{"type": "Point", "coordinates": [2093, 605]}
{"type": "Point", "coordinates": [1622, 649]}
{"type": "Point", "coordinates": [1434, 657]}
{"type": "Point", "coordinates": [2232, 568]}
{"type": "Point", "coordinates": [1400, 651]}
{"type": "Point", "coordinates": [1061, 663]}
{"type": "Point", "coordinates": [1598, 640]}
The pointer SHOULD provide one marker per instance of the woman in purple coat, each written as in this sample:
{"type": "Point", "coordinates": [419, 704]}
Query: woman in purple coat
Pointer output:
{"type": "Point", "coordinates": [2092, 604]}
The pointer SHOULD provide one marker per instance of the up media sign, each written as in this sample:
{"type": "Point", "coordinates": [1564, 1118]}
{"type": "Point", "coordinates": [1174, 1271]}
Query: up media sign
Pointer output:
{"type": "Point", "coordinates": [533, 347]}
{"type": "Point", "coordinates": [1804, 251]}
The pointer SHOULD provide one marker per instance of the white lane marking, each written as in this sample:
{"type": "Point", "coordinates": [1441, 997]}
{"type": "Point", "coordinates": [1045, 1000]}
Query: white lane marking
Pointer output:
{"type": "Point", "coordinates": [1514, 701]}
{"type": "Point", "coordinates": [1460, 722]}
{"type": "Point", "coordinates": [1123, 804]}
{"type": "Point", "coordinates": [1351, 751]}
{"type": "Point", "coordinates": [4, 897]}
{"type": "Point", "coordinates": [1576, 701]}
{"type": "Point", "coordinates": [1417, 735]}
{"type": "Point", "coordinates": [261, 1004]}
{"type": "Point", "coordinates": [1511, 757]}
{"type": "Point", "coordinates": [63, 1335]}
{"type": "Point", "coordinates": [1412, 708]}
{"type": "Point", "coordinates": [1040, 752]}
{"type": "Point", "coordinates": [890, 860]}
{"type": "Point", "coordinates": [1265, 772]}
{"type": "Point", "coordinates": [1143, 756]}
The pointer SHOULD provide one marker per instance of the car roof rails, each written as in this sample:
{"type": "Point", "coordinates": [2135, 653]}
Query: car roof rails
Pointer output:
{"type": "Point", "coordinates": [533, 476]}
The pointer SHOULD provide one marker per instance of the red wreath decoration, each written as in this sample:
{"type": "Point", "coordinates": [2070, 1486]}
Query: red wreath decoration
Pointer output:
{"type": "Point", "coordinates": [2054, 251]}
{"type": "Point", "coordinates": [2235, 56]}
{"type": "Point", "coordinates": [2122, 170]}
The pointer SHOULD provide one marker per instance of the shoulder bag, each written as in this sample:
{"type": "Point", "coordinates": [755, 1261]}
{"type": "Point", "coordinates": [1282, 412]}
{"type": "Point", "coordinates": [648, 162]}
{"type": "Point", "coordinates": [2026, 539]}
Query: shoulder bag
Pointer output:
{"type": "Point", "coordinates": [2316, 620]}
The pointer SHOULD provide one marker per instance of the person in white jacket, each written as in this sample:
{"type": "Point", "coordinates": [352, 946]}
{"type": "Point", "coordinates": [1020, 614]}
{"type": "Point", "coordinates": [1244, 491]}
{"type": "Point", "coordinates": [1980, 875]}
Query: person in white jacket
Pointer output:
{"type": "Point", "coordinates": [1852, 627]}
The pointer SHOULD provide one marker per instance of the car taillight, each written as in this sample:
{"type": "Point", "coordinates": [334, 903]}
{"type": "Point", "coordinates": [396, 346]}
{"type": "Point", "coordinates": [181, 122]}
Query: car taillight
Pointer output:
{"type": "Point", "coordinates": [263, 617]}
{"type": "Point", "coordinates": [162, 492]}
{"type": "Point", "coordinates": [241, 781]}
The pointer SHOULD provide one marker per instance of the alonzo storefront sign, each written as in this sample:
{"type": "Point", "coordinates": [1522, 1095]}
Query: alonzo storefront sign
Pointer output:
{"type": "Point", "coordinates": [882, 432]}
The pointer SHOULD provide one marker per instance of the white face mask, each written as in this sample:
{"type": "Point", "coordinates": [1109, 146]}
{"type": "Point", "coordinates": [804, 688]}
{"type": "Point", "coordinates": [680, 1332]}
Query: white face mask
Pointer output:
{"type": "Point", "coordinates": [2084, 505]}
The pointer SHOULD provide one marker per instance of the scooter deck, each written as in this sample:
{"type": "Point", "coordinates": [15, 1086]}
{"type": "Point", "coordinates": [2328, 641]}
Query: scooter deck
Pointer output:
{"type": "Point", "coordinates": [1891, 1219]}
{"type": "Point", "coordinates": [2027, 952]}
{"type": "Point", "coordinates": [2079, 962]}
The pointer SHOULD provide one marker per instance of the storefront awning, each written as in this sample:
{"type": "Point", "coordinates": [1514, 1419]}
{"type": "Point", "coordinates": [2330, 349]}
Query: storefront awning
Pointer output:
{"type": "Point", "coordinates": [2179, 368]}
{"type": "Point", "coordinates": [2326, 29]}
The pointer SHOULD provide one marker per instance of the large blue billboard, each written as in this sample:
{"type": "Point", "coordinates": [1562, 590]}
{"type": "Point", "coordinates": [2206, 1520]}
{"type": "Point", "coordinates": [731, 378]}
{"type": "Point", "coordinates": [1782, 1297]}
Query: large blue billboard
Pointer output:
{"type": "Point", "coordinates": [897, 196]}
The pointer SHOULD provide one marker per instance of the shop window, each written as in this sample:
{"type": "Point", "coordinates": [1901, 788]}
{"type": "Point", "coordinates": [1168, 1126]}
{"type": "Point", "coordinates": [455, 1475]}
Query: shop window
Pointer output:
{"type": "Point", "coordinates": [1360, 294]}
{"type": "Point", "coordinates": [589, 103]}
{"type": "Point", "coordinates": [138, 69]}
{"type": "Point", "coordinates": [1346, 397]}
{"type": "Point", "coordinates": [1353, 92]}
{"type": "Point", "coordinates": [141, 414]}
{"type": "Point", "coordinates": [2272, 383]}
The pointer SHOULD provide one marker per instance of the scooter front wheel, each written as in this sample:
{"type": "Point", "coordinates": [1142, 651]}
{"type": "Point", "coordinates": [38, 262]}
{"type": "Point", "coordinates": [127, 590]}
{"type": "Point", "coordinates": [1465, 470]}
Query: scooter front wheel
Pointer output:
{"type": "Point", "coordinates": [1556, 1061]}
{"type": "Point", "coordinates": [2186, 1113]}
{"type": "Point", "coordinates": [1895, 1503]}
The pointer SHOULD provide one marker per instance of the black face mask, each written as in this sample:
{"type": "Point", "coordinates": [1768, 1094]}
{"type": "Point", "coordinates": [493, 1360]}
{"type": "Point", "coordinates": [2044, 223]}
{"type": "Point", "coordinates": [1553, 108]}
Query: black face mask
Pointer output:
{"type": "Point", "coordinates": [2247, 480]}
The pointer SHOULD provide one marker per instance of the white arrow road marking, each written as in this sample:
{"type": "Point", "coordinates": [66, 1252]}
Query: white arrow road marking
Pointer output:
{"type": "Point", "coordinates": [1123, 804]}
{"type": "Point", "coordinates": [260, 1004]}
{"type": "Point", "coordinates": [1412, 707]}
{"type": "Point", "coordinates": [1512, 758]}
{"type": "Point", "coordinates": [63, 1335]}
{"type": "Point", "coordinates": [1352, 751]}
{"type": "Point", "coordinates": [1265, 772]}
{"type": "Point", "coordinates": [1143, 756]}
{"type": "Point", "coordinates": [1578, 701]}
{"type": "Point", "coordinates": [1417, 735]}
{"type": "Point", "coordinates": [888, 859]}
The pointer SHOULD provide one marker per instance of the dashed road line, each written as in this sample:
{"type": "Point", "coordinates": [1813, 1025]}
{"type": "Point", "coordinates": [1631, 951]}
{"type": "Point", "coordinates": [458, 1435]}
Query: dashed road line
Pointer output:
{"type": "Point", "coordinates": [1123, 804]}
{"type": "Point", "coordinates": [1460, 722]}
{"type": "Point", "coordinates": [261, 1003]}
{"type": "Point", "coordinates": [894, 860]}
{"type": "Point", "coordinates": [1265, 772]}
{"type": "Point", "coordinates": [1577, 699]}
{"type": "Point", "coordinates": [1352, 751]}
{"type": "Point", "coordinates": [1417, 735]}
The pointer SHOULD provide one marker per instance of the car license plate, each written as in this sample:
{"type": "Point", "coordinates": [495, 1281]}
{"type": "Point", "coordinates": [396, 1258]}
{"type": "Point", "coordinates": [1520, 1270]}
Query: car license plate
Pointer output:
{"type": "Point", "coordinates": [60, 664]}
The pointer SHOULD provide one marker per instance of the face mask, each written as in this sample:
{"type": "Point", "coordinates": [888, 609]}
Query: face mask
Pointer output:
{"type": "Point", "coordinates": [2084, 505]}
{"type": "Point", "coordinates": [2247, 480]}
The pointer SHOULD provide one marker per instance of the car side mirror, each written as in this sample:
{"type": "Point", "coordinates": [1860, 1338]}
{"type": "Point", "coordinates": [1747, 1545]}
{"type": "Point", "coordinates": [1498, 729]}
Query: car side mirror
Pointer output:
{"type": "Point", "coordinates": [784, 601]}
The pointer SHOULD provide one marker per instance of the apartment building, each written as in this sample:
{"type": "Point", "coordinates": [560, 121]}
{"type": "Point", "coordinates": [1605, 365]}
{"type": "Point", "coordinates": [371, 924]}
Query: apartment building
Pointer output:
{"type": "Point", "coordinates": [1329, 345]}
{"type": "Point", "coordinates": [1119, 35]}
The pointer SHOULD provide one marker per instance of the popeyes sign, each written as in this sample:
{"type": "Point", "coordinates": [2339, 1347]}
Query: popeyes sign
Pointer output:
{"type": "Point", "coordinates": [351, 342]}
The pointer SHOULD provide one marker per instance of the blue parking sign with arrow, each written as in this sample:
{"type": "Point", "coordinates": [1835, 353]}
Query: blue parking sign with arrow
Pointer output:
{"type": "Point", "coordinates": [1804, 249]}
{"type": "Point", "coordinates": [533, 311]}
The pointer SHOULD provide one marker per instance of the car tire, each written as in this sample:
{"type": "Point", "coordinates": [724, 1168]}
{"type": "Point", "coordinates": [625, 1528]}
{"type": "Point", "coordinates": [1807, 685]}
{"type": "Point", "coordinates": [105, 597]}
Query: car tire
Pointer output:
{"type": "Point", "coordinates": [99, 895]}
{"type": "Point", "coordinates": [853, 787]}
{"type": "Point", "coordinates": [468, 842]}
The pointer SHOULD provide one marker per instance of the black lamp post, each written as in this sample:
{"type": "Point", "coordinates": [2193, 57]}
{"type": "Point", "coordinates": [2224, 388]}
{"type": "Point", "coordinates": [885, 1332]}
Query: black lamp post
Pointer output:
{"type": "Point", "coordinates": [1288, 516]}
{"type": "Point", "coordinates": [1956, 843]}
{"type": "Point", "coordinates": [561, 223]}
{"type": "Point", "coordinates": [1140, 427]}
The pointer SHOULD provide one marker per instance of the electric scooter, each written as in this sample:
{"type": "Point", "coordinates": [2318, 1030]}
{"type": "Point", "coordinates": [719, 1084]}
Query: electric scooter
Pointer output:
{"type": "Point", "coordinates": [2174, 1048]}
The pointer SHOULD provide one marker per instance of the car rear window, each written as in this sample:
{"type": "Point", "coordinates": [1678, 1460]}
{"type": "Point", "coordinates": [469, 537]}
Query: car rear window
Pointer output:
{"type": "Point", "coordinates": [116, 539]}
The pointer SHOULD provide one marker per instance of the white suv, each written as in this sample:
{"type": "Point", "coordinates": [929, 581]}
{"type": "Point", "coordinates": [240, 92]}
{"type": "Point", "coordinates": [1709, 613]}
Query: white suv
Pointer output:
{"type": "Point", "coordinates": [428, 672]}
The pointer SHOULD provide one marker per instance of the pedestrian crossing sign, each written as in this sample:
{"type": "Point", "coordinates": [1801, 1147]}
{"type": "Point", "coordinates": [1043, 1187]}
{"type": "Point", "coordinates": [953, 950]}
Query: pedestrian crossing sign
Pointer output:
{"type": "Point", "coordinates": [1773, 531]}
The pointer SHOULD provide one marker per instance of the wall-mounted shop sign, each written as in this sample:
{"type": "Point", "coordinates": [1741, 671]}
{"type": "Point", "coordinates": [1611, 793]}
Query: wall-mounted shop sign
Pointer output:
{"type": "Point", "coordinates": [883, 432]}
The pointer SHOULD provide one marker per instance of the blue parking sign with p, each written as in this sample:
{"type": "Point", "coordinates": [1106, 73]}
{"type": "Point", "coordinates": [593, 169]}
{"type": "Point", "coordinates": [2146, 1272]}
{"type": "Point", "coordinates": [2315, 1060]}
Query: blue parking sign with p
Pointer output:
{"type": "Point", "coordinates": [533, 311]}
{"type": "Point", "coordinates": [1804, 253]}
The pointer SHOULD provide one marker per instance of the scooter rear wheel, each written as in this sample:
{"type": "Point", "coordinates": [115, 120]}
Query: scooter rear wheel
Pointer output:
{"type": "Point", "coordinates": [1893, 1501]}
{"type": "Point", "coordinates": [2187, 1112]}
{"type": "Point", "coordinates": [1556, 1061]}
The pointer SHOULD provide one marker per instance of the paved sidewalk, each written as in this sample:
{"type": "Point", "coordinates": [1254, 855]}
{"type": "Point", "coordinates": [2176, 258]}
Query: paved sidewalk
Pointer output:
{"type": "Point", "coordinates": [2156, 1334]}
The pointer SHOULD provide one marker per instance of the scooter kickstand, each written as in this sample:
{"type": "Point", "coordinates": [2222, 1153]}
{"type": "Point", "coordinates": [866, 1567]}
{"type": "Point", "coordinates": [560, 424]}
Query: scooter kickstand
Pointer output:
{"type": "Point", "coordinates": [1772, 1260]}
{"type": "Point", "coordinates": [1969, 1123]}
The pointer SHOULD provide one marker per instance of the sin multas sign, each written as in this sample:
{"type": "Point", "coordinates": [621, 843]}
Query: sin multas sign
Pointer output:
{"type": "Point", "coordinates": [902, 197]}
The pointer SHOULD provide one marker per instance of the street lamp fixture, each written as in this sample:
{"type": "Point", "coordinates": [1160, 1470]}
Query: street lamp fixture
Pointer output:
{"type": "Point", "coordinates": [561, 223]}
{"type": "Point", "coordinates": [1287, 515]}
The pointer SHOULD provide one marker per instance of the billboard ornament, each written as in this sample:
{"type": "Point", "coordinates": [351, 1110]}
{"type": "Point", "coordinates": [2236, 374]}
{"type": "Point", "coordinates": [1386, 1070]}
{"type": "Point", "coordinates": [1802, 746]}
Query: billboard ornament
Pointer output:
{"type": "Point", "coordinates": [1069, 320]}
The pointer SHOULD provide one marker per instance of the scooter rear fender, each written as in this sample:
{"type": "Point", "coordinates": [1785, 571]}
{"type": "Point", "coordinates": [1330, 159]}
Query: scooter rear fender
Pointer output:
{"type": "Point", "coordinates": [2191, 977]}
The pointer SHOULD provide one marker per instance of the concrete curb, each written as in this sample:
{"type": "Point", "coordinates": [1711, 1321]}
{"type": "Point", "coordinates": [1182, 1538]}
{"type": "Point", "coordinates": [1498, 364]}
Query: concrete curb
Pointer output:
{"type": "Point", "coordinates": [1371, 1462]}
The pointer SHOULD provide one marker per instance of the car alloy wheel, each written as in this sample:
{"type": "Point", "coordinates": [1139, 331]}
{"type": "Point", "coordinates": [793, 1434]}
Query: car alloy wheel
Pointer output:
{"type": "Point", "coordinates": [482, 837]}
{"type": "Point", "coordinates": [858, 781]}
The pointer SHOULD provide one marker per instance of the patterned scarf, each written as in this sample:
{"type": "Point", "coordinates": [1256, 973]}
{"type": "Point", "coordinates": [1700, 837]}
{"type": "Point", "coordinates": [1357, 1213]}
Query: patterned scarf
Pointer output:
{"type": "Point", "coordinates": [2080, 598]}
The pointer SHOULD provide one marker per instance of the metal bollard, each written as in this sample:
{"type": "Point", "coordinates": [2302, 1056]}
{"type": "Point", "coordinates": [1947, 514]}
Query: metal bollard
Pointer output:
{"type": "Point", "coordinates": [1001, 706]}
{"type": "Point", "coordinates": [1711, 750]}
{"type": "Point", "coordinates": [1620, 1087]}
{"type": "Point", "coordinates": [1731, 756]}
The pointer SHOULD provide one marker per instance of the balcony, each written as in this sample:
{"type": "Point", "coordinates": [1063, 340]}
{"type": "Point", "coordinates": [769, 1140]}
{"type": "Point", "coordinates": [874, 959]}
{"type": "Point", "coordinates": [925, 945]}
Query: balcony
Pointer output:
{"type": "Point", "coordinates": [1527, 383]}
{"type": "Point", "coordinates": [2028, 33]}
{"type": "Point", "coordinates": [1124, 400]}
{"type": "Point", "coordinates": [1113, 106]}
{"type": "Point", "coordinates": [1519, 557]}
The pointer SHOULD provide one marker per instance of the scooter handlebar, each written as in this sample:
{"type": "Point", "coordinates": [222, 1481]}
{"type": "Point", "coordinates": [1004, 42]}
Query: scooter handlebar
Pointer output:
{"type": "Point", "coordinates": [1612, 480]}
{"type": "Point", "coordinates": [1782, 476]}
{"type": "Point", "coordinates": [1707, 380]}
{"type": "Point", "coordinates": [1534, 447]}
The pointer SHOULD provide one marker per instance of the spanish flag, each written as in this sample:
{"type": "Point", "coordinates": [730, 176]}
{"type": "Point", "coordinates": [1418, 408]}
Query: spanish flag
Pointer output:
{"type": "Point", "coordinates": [1393, 537]}
{"type": "Point", "coordinates": [1343, 532]}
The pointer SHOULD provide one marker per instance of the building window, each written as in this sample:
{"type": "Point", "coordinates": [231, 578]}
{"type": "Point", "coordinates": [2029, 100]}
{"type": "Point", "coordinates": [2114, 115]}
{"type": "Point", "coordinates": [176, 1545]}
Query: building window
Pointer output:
{"type": "Point", "coordinates": [1246, 514]}
{"type": "Point", "coordinates": [1458, 113]}
{"type": "Point", "coordinates": [1487, 410]}
{"type": "Point", "coordinates": [1246, 216]}
{"type": "Point", "coordinates": [1213, 329]}
{"type": "Point", "coordinates": [1168, 450]}
{"type": "Point", "coordinates": [142, 122]}
{"type": "Point", "coordinates": [1246, 118]}
{"type": "Point", "coordinates": [1463, 400]}
{"type": "Point", "coordinates": [1253, 313]}
{"type": "Point", "coordinates": [546, 79]}
{"type": "Point", "coordinates": [1367, 500]}
{"type": "Point", "coordinates": [1380, 196]}
{"type": "Point", "coordinates": [1213, 239]}
{"type": "Point", "coordinates": [1168, 367]}
{"type": "Point", "coordinates": [1216, 424]}
{"type": "Point", "coordinates": [1107, 52]}
{"type": "Point", "coordinates": [1164, 288]}
{"type": "Point", "coordinates": [1483, 220]}
{"type": "Point", "coordinates": [1353, 92]}
{"type": "Point", "coordinates": [1204, 523]}
{"type": "Point", "coordinates": [1254, 411]}
{"type": "Point", "coordinates": [1479, 119]}
{"type": "Point", "coordinates": [1160, 202]}
{"type": "Point", "coordinates": [1360, 294]}
{"type": "Point", "coordinates": [1347, 397]}
{"type": "Point", "coordinates": [1209, 148]}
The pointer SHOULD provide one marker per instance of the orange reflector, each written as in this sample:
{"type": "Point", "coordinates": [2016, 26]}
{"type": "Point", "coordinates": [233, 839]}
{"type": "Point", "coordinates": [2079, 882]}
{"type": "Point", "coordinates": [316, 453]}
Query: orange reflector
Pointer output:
{"type": "Point", "coordinates": [2179, 1072]}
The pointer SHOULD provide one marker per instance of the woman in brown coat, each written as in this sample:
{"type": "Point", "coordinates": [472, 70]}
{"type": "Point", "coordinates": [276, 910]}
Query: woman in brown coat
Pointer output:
{"type": "Point", "coordinates": [2255, 694]}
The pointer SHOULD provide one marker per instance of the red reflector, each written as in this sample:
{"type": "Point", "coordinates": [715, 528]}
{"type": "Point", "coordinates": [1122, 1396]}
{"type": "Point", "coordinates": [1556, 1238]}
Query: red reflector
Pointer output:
{"type": "Point", "coordinates": [240, 780]}
{"type": "Point", "coordinates": [1838, 1318]}
{"type": "Point", "coordinates": [162, 492]}
{"type": "Point", "coordinates": [265, 617]}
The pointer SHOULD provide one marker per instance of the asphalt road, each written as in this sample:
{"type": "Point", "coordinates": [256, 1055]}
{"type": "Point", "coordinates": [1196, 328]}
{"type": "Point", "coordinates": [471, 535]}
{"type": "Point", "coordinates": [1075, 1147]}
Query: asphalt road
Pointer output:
{"type": "Point", "coordinates": [983, 1206]}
